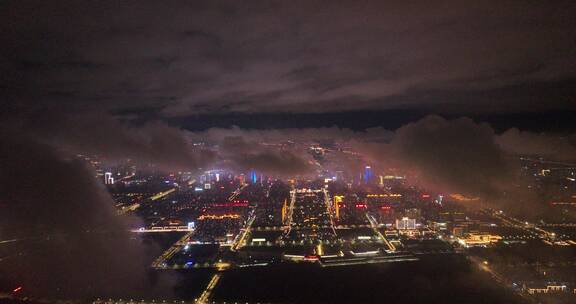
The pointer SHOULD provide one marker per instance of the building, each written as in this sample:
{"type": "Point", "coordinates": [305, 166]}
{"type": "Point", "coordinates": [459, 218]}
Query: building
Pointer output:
{"type": "Point", "coordinates": [406, 223]}
{"type": "Point", "coordinates": [478, 239]}
{"type": "Point", "coordinates": [367, 174]}
{"type": "Point", "coordinates": [459, 231]}
{"type": "Point", "coordinates": [108, 179]}
{"type": "Point", "coordinates": [338, 199]}
{"type": "Point", "coordinates": [544, 288]}
{"type": "Point", "coordinates": [253, 177]}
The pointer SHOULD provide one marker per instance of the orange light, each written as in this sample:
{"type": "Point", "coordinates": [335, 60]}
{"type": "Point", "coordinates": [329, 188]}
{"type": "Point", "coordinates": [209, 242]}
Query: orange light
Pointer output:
{"type": "Point", "coordinates": [17, 289]}
{"type": "Point", "coordinates": [218, 217]}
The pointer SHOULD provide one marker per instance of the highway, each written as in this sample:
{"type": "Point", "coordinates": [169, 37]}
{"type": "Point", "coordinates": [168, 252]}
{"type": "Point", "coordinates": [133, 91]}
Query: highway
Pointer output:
{"type": "Point", "coordinates": [374, 224]}
{"type": "Point", "coordinates": [237, 192]}
{"type": "Point", "coordinates": [159, 263]}
{"type": "Point", "coordinates": [205, 296]}
{"type": "Point", "coordinates": [281, 228]}
{"type": "Point", "coordinates": [241, 237]}
{"type": "Point", "coordinates": [526, 226]}
{"type": "Point", "coordinates": [329, 209]}
{"type": "Point", "coordinates": [558, 225]}
{"type": "Point", "coordinates": [128, 209]}
{"type": "Point", "coordinates": [162, 194]}
{"type": "Point", "coordinates": [370, 260]}
{"type": "Point", "coordinates": [288, 223]}
{"type": "Point", "coordinates": [135, 206]}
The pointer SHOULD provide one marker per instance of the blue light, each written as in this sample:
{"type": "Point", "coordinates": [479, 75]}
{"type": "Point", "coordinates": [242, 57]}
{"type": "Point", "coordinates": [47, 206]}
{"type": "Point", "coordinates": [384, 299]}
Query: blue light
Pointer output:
{"type": "Point", "coordinates": [253, 176]}
{"type": "Point", "coordinates": [367, 174]}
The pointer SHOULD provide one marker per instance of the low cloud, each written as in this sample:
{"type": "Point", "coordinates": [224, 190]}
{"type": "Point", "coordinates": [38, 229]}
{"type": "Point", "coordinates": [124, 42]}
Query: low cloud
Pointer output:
{"type": "Point", "coordinates": [556, 147]}
{"type": "Point", "coordinates": [69, 241]}
{"type": "Point", "coordinates": [459, 155]}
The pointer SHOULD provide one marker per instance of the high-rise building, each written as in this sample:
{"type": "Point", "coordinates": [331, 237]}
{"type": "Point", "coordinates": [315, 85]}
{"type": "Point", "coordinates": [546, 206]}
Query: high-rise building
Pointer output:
{"type": "Point", "coordinates": [337, 200]}
{"type": "Point", "coordinates": [253, 176]}
{"type": "Point", "coordinates": [367, 174]}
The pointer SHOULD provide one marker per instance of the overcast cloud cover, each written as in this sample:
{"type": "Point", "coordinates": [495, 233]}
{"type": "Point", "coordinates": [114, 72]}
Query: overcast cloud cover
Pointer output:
{"type": "Point", "coordinates": [297, 56]}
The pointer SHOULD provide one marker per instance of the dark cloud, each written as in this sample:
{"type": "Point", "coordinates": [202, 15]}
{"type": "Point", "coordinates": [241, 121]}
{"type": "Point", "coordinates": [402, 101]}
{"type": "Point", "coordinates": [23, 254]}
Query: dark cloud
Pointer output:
{"type": "Point", "coordinates": [457, 155]}
{"type": "Point", "coordinates": [551, 146]}
{"type": "Point", "coordinates": [243, 151]}
{"type": "Point", "coordinates": [301, 56]}
{"type": "Point", "coordinates": [100, 134]}
{"type": "Point", "coordinates": [445, 155]}
{"type": "Point", "coordinates": [69, 240]}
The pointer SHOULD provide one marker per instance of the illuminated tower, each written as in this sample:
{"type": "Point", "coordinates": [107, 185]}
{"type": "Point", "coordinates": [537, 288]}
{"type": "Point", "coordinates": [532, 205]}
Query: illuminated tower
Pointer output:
{"type": "Point", "coordinates": [284, 206]}
{"type": "Point", "coordinates": [253, 176]}
{"type": "Point", "coordinates": [337, 201]}
{"type": "Point", "coordinates": [367, 174]}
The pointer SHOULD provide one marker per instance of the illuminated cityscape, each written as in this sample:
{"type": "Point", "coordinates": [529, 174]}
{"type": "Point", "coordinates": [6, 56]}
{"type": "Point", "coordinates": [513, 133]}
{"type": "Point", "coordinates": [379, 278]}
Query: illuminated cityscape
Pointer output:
{"type": "Point", "coordinates": [224, 226]}
{"type": "Point", "coordinates": [287, 152]}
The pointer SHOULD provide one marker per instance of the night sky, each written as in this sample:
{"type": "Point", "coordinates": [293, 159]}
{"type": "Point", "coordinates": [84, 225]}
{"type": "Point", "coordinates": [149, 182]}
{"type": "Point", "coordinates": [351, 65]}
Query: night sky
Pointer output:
{"type": "Point", "coordinates": [280, 64]}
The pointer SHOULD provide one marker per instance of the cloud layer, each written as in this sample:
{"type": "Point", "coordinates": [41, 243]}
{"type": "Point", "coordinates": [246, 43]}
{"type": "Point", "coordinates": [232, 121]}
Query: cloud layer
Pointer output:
{"type": "Point", "coordinates": [298, 56]}
{"type": "Point", "coordinates": [69, 241]}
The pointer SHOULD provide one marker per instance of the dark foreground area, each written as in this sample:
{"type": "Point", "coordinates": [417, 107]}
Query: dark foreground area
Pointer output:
{"type": "Point", "coordinates": [431, 280]}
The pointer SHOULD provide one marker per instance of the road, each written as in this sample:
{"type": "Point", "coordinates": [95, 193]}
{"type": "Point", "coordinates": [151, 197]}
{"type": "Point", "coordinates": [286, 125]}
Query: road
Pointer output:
{"type": "Point", "coordinates": [329, 209]}
{"type": "Point", "coordinates": [159, 263]}
{"type": "Point", "coordinates": [281, 228]}
{"type": "Point", "coordinates": [524, 225]}
{"type": "Point", "coordinates": [237, 192]}
{"type": "Point", "coordinates": [290, 211]}
{"type": "Point", "coordinates": [374, 225]}
{"type": "Point", "coordinates": [135, 206]}
{"type": "Point", "coordinates": [241, 237]}
{"type": "Point", "coordinates": [205, 296]}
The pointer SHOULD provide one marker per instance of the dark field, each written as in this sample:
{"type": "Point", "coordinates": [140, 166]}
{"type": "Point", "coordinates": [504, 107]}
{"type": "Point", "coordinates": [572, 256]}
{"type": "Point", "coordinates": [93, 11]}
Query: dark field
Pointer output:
{"type": "Point", "coordinates": [432, 280]}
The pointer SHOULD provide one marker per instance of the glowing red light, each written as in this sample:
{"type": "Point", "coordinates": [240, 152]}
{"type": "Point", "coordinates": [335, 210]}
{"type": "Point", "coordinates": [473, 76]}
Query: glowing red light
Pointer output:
{"type": "Point", "coordinates": [17, 289]}
{"type": "Point", "coordinates": [360, 205]}
{"type": "Point", "coordinates": [425, 195]}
